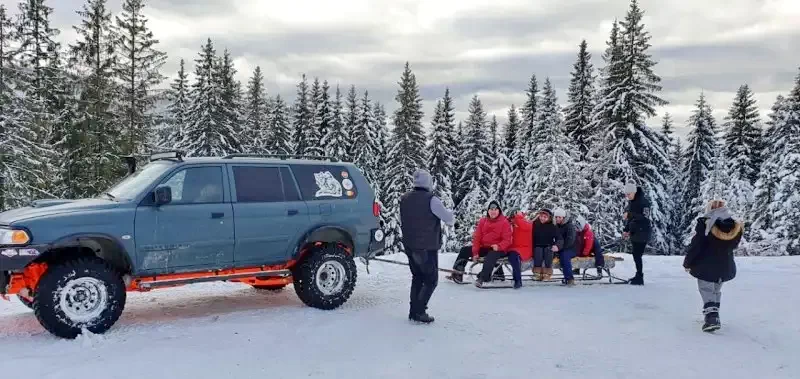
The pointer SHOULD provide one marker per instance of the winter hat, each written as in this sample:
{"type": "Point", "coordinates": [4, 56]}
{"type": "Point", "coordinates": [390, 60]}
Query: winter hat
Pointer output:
{"type": "Point", "coordinates": [422, 179]}
{"type": "Point", "coordinates": [559, 212]}
{"type": "Point", "coordinates": [546, 211]}
{"type": "Point", "coordinates": [581, 222]}
{"type": "Point", "coordinates": [716, 210]}
{"type": "Point", "coordinates": [630, 188]}
{"type": "Point", "coordinates": [496, 204]}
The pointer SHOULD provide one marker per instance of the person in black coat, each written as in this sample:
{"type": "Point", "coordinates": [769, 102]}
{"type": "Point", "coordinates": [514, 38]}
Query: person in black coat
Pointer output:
{"type": "Point", "coordinates": [637, 227]}
{"type": "Point", "coordinates": [710, 257]}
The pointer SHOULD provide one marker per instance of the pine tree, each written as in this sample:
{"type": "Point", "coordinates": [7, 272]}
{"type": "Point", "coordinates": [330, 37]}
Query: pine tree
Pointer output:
{"type": "Point", "coordinates": [362, 139]}
{"type": "Point", "coordinates": [320, 119]}
{"type": "Point", "coordinates": [352, 119]}
{"type": "Point", "coordinates": [380, 135]}
{"type": "Point", "coordinates": [743, 135]}
{"type": "Point", "coordinates": [407, 152]}
{"type": "Point", "coordinates": [138, 72]}
{"type": "Point", "coordinates": [231, 99]}
{"type": "Point", "coordinates": [280, 141]}
{"type": "Point", "coordinates": [698, 162]}
{"type": "Point", "coordinates": [556, 180]}
{"type": "Point", "coordinates": [441, 162]}
{"type": "Point", "coordinates": [494, 142]}
{"type": "Point", "coordinates": [337, 145]}
{"type": "Point", "coordinates": [515, 193]}
{"type": "Point", "coordinates": [178, 109]}
{"type": "Point", "coordinates": [94, 55]}
{"type": "Point", "coordinates": [255, 135]}
{"type": "Point", "coordinates": [303, 117]}
{"type": "Point", "coordinates": [675, 208]}
{"type": "Point", "coordinates": [467, 214]}
{"type": "Point", "coordinates": [208, 131]}
{"type": "Point", "coordinates": [764, 194]}
{"type": "Point", "coordinates": [475, 155]}
{"type": "Point", "coordinates": [783, 232]}
{"type": "Point", "coordinates": [581, 96]}
{"type": "Point", "coordinates": [530, 115]}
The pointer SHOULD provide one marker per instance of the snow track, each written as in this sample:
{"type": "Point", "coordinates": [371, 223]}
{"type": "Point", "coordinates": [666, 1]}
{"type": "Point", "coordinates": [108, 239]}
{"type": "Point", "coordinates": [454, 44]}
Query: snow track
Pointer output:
{"type": "Point", "coordinates": [230, 330]}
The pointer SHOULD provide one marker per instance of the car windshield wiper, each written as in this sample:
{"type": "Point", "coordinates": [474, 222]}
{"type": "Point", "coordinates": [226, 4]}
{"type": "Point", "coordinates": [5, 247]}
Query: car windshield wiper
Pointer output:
{"type": "Point", "coordinates": [110, 196]}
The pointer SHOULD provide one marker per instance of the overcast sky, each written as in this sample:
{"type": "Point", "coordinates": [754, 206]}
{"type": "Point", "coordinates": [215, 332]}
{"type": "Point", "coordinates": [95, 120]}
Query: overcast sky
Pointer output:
{"type": "Point", "coordinates": [478, 46]}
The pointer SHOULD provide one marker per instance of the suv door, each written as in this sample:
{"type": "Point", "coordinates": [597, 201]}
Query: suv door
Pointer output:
{"type": "Point", "coordinates": [195, 230]}
{"type": "Point", "coordinates": [268, 213]}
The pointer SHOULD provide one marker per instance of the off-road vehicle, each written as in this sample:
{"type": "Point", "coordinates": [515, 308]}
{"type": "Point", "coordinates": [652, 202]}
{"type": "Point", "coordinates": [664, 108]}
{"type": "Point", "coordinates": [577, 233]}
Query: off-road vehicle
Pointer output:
{"type": "Point", "coordinates": [263, 220]}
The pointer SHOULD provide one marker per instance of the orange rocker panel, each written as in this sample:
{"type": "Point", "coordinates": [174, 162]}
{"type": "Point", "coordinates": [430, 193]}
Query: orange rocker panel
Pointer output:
{"type": "Point", "coordinates": [21, 284]}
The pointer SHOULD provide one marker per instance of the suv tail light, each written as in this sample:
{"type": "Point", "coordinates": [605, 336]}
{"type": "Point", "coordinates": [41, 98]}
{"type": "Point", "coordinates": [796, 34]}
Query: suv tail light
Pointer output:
{"type": "Point", "coordinates": [376, 209]}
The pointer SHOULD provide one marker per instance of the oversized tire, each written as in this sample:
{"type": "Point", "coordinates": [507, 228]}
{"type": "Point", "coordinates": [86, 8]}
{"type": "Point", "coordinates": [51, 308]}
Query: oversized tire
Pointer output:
{"type": "Point", "coordinates": [326, 277]}
{"type": "Point", "coordinates": [273, 288]}
{"type": "Point", "coordinates": [25, 301]}
{"type": "Point", "coordinates": [82, 293]}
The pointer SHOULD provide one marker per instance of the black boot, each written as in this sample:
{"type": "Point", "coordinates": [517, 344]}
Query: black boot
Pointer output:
{"type": "Point", "coordinates": [421, 317]}
{"type": "Point", "coordinates": [637, 280]}
{"type": "Point", "coordinates": [711, 312]}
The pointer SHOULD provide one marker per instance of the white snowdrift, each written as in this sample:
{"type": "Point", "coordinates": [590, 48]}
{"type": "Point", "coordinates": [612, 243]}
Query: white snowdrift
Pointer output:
{"type": "Point", "coordinates": [601, 331]}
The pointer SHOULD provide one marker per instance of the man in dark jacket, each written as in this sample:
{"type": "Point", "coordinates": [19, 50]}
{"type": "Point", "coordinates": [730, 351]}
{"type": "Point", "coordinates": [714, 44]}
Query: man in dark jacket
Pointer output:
{"type": "Point", "coordinates": [566, 251]}
{"type": "Point", "coordinates": [710, 257]}
{"type": "Point", "coordinates": [421, 216]}
{"type": "Point", "coordinates": [637, 227]}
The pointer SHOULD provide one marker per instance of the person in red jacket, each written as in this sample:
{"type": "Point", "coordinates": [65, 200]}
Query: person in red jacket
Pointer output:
{"type": "Point", "coordinates": [521, 249]}
{"type": "Point", "coordinates": [587, 245]}
{"type": "Point", "coordinates": [493, 234]}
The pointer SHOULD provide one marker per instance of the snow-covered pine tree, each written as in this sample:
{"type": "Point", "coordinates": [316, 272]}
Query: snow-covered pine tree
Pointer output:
{"type": "Point", "coordinates": [743, 135]}
{"type": "Point", "coordinates": [231, 99]}
{"type": "Point", "coordinates": [580, 99]}
{"type": "Point", "coordinates": [302, 116]}
{"type": "Point", "coordinates": [94, 57]}
{"type": "Point", "coordinates": [515, 193]}
{"type": "Point", "coordinates": [352, 119]}
{"type": "Point", "coordinates": [472, 207]}
{"type": "Point", "coordinates": [557, 179]}
{"type": "Point", "coordinates": [207, 131]}
{"type": "Point", "coordinates": [630, 150]}
{"type": "Point", "coordinates": [280, 141]}
{"type": "Point", "coordinates": [675, 184]}
{"type": "Point", "coordinates": [768, 178]}
{"type": "Point", "coordinates": [255, 136]}
{"type": "Point", "coordinates": [407, 152]}
{"type": "Point", "coordinates": [320, 119]}
{"type": "Point", "coordinates": [494, 138]}
{"type": "Point", "coordinates": [474, 156]}
{"type": "Point", "coordinates": [448, 121]}
{"type": "Point", "coordinates": [698, 162]}
{"type": "Point", "coordinates": [380, 135]}
{"type": "Point", "coordinates": [441, 163]}
{"type": "Point", "coordinates": [530, 116]}
{"type": "Point", "coordinates": [783, 233]}
{"type": "Point", "coordinates": [500, 172]}
{"type": "Point", "coordinates": [337, 140]}
{"type": "Point", "coordinates": [362, 139]}
{"type": "Point", "coordinates": [137, 69]}
{"type": "Point", "coordinates": [177, 110]}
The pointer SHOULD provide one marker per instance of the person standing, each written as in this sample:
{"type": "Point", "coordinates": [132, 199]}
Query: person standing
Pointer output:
{"type": "Point", "coordinates": [637, 227]}
{"type": "Point", "coordinates": [710, 257]}
{"type": "Point", "coordinates": [421, 217]}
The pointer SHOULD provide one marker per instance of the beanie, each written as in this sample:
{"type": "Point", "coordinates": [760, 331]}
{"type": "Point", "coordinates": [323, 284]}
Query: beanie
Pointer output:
{"type": "Point", "coordinates": [422, 179]}
{"type": "Point", "coordinates": [631, 188]}
{"type": "Point", "coordinates": [559, 213]}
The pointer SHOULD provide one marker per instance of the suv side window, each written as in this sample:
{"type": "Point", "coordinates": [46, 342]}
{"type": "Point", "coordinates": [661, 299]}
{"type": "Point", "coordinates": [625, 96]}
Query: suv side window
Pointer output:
{"type": "Point", "coordinates": [325, 182]}
{"type": "Point", "coordinates": [258, 184]}
{"type": "Point", "coordinates": [289, 186]}
{"type": "Point", "coordinates": [196, 185]}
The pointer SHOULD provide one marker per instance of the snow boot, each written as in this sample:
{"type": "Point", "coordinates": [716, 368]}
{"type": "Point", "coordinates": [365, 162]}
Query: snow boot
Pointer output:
{"type": "Point", "coordinates": [637, 280]}
{"type": "Point", "coordinates": [421, 318]}
{"type": "Point", "coordinates": [517, 284]}
{"type": "Point", "coordinates": [479, 282]}
{"type": "Point", "coordinates": [568, 283]}
{"type": "Point", "coordinates": [458, 278]}
{"type": "Point", "coordinates": [538, 274]}
{"type": "Point", "coordinates": [548, 274]}
{"type": "Point", "coordinates": [711, 312]}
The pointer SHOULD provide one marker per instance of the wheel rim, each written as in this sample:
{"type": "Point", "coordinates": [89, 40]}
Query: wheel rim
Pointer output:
{"type": "Point", "coordinates": [83, 299]}
{"type": "Point", "coordinates": [330, 277]}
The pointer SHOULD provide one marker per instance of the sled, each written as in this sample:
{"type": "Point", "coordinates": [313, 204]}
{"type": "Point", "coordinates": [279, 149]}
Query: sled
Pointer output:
{"type": "Point", "coordinates": [589, 273]}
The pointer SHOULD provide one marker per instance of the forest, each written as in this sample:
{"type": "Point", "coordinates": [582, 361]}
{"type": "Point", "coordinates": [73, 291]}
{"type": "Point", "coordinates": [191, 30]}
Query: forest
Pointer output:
{"type": "Point", "coordinates": [69, 114]}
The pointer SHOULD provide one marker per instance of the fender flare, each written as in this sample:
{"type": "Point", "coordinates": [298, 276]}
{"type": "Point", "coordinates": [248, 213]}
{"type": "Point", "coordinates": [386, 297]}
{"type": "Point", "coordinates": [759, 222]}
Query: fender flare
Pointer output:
{"type": "Point", "coordinates": [102, 245]}
{"type": "Point", "coordinates": [324, 233]}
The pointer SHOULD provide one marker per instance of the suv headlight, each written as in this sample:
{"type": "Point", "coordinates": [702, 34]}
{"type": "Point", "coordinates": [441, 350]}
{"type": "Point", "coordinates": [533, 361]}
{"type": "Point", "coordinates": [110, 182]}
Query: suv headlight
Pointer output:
{"type": "Point", "coordinates": [14, 237]}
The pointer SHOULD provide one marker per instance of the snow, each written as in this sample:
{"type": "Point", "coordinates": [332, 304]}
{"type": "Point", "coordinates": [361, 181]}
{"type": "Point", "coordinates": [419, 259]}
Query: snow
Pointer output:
{"type": "Point", "coordinates": [545, 331]}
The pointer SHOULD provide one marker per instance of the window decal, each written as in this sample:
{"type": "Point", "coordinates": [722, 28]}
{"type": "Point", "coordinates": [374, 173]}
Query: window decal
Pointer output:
{"type": "Point", "coordinates": [327, 185]}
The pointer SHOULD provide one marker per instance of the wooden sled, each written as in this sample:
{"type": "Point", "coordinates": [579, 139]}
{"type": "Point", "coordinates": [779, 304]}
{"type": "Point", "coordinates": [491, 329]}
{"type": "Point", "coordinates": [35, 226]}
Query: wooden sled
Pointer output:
{"type": "Point", "coordinates": [589, 273]}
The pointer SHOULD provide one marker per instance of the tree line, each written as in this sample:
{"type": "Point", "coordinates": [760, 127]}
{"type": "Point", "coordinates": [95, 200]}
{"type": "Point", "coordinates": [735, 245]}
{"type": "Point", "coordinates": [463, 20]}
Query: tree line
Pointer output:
{"type": "Point", "coordinates": [69, 113]}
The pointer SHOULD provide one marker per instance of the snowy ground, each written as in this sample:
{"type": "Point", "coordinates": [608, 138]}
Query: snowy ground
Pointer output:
{"type": "Point", "coordinates": [611, 331]}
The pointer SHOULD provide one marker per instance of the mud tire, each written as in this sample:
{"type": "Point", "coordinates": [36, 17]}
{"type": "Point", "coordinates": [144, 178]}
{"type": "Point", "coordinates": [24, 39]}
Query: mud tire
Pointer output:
{"type": "Point", "coordinates": [94, 283]}
{"type": "Point", "coordinates": [323, 268]}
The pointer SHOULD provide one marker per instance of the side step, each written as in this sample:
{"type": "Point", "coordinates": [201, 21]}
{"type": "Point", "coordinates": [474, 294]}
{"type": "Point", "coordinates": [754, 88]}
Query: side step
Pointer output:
{"type": "Point", "coordinates": [215, 278]}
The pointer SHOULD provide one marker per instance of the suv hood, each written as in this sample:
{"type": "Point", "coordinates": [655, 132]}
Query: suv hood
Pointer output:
{"type": "Point", "coordinates": [51, 207]}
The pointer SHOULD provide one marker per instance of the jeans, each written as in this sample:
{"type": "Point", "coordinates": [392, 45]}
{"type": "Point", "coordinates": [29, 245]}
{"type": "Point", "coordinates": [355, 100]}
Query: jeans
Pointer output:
{"type": "Point", "coordinates": [491, 259]}
{"type": "Point", "coordinates": [565, 259]}
{"type": "Point", "coordinates": [542, 255]}
{"type": "Point", "coordinates": [465, 255]}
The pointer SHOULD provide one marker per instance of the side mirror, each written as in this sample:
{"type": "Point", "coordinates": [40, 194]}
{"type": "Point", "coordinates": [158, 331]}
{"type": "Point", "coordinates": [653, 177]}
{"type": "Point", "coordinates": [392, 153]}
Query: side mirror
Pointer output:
{"type": "Point", "coordinates": [163, 195]}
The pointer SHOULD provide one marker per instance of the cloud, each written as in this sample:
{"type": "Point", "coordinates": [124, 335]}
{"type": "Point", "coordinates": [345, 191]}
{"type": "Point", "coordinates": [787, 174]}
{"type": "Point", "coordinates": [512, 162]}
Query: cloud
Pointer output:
{"type": "Point", "coordinates": [478, 47]}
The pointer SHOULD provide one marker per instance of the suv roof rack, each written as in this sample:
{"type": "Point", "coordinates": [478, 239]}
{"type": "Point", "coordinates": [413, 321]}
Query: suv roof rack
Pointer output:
{"type": "Point", "coordinates": [169, 154]}
{"type": "Point", "coordinates": [281, 156]}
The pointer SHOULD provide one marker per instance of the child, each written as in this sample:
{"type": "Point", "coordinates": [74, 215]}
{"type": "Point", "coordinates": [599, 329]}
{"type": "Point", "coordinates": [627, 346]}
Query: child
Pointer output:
{"type": "Point", "coordinates": [710, 257]}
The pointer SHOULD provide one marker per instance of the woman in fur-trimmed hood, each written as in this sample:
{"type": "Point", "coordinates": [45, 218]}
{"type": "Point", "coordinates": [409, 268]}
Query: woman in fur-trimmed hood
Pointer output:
{"type": "Point", "coordinates": [710, 257]}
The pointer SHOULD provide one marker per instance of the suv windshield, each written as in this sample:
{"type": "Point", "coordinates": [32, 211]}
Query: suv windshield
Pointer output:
{"type": "Point", "coordinates": [134, 184]}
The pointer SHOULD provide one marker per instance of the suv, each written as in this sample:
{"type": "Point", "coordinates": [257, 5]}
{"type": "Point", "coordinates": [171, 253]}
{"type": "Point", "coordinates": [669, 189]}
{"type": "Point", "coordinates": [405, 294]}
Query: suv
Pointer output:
{"type": "Point", "coordinates": [261, 220]}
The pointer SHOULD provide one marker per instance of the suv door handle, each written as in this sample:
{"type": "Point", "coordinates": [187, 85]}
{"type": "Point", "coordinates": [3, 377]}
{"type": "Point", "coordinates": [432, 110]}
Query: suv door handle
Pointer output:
{"type": "Point", "coordinates": [217, 215]}
{"type": "Point", "coordinates": [292, 212]}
